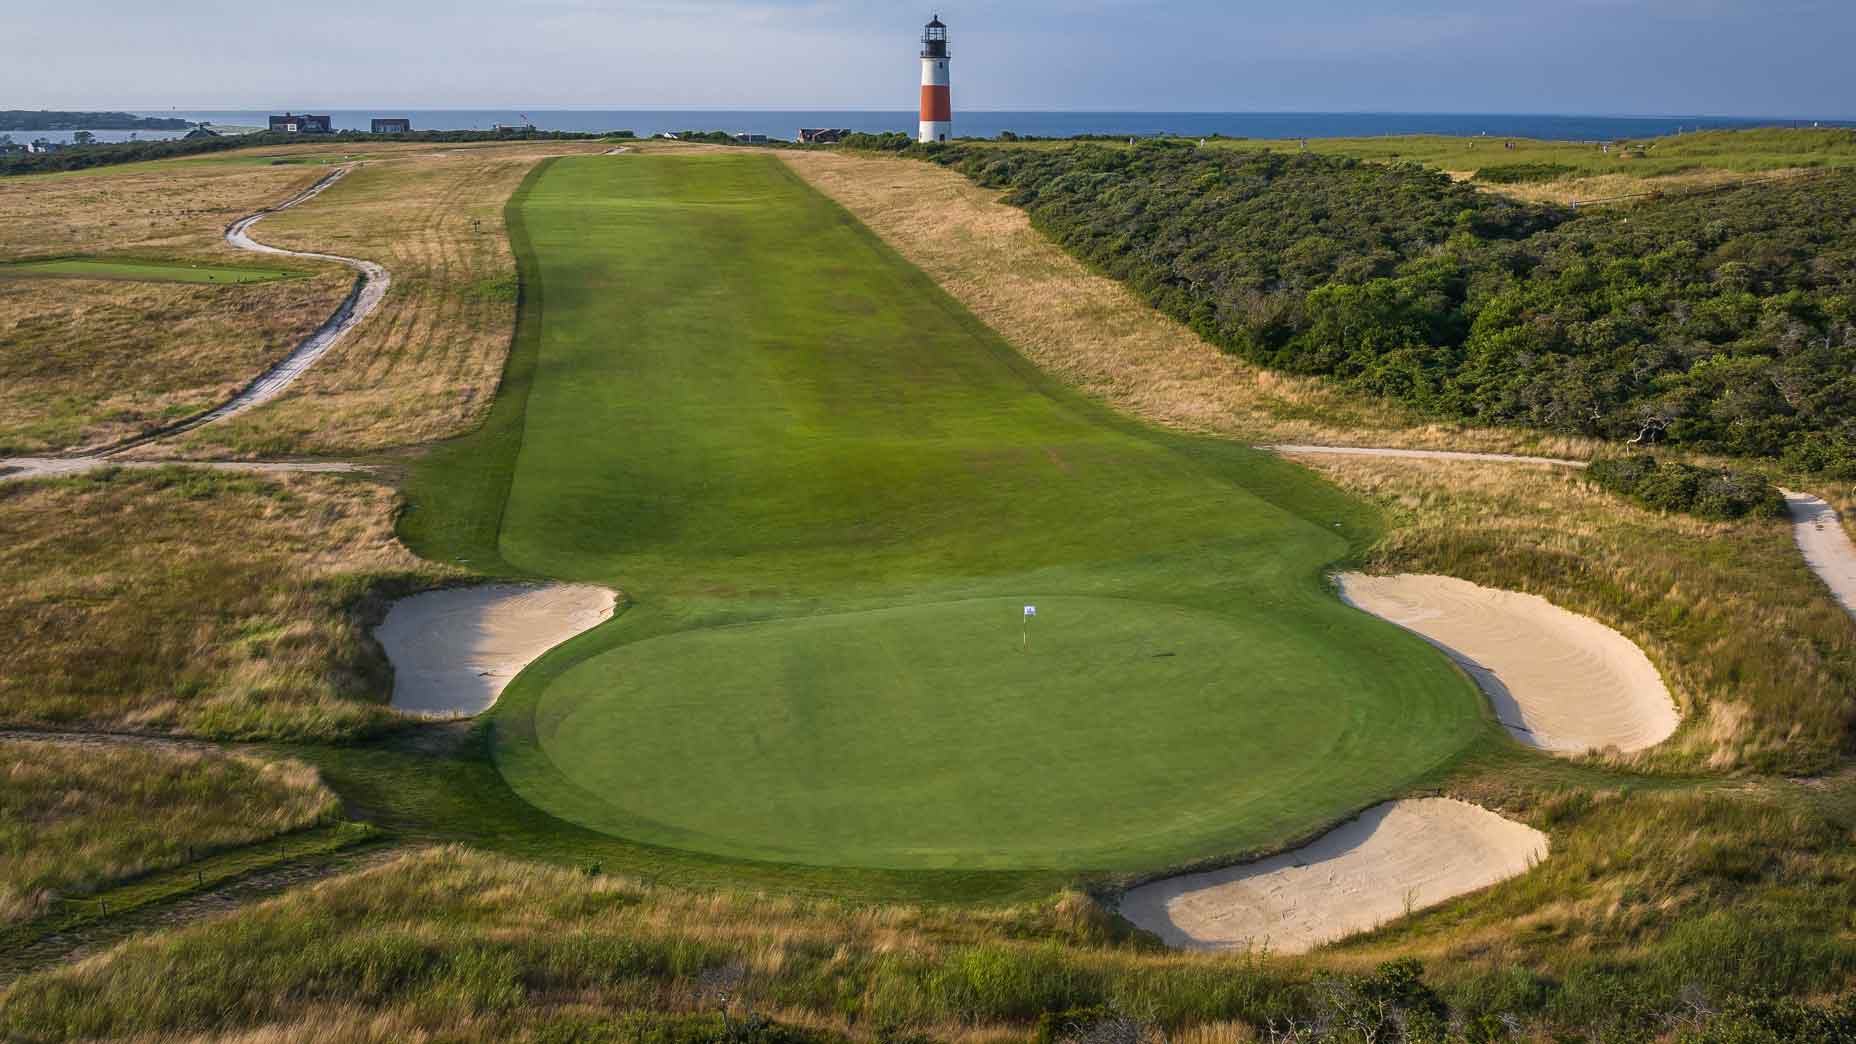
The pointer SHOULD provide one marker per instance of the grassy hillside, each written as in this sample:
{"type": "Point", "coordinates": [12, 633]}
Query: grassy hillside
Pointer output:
{"type": "Point", "coordinates": [798, 456]}
{"type": "Point", "coordinates": [1661, 912]}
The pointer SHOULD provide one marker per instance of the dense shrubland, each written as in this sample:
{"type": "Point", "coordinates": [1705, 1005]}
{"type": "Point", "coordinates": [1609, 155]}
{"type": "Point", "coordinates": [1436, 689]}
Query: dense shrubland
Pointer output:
{"type": "Point", "coordinates": [1718, 321]}
{"type": "Point", "coordinates": [1716, 493]}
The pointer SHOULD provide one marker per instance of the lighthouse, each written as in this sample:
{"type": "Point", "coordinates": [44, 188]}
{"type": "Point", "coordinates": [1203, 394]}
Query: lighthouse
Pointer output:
{"type": "Point", "coordinates": [937, 102]}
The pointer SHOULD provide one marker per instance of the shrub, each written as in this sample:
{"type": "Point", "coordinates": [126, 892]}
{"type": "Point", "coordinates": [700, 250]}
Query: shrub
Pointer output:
{"type": "Point", "coordinates": [1716, 493]}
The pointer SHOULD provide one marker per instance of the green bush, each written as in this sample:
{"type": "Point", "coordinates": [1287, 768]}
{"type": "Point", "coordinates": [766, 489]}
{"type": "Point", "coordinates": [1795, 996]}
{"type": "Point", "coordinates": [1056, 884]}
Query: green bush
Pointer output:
{"type": "Point", "coordinates": [1716, 493]}
{"type": "Point", "coordinates": [1524, 173]}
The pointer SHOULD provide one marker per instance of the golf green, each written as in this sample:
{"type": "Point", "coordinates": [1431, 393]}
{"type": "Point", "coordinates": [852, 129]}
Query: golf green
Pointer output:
{"type": "Point", "coordinates": [829, 492]}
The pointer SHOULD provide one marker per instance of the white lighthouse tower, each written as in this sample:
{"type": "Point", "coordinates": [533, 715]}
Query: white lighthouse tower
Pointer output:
{"type": "Point", "coordinates": [937, 101]}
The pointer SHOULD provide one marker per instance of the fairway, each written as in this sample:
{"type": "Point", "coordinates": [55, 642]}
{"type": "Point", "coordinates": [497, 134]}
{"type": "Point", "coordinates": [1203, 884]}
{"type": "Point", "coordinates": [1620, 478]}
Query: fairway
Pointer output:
{"type": "Point", "coordinates": [828, 492]}
{"type": "Point", "coordinates": [140, 271]}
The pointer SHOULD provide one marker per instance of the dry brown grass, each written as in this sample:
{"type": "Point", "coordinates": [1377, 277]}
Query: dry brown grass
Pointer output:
{"type": "Point", "coordinates": [156, 210]}
{"type": "Point", "coordinates": [1750, 642]}
{"type": "Point", "coordinates": [77, 817]}
{"type": "Point", "coordinates": [1095, 334]}
{"type": "Point", "coordinates": [200, 603]}
{"type": "Point", "coordinates": [1625, 187]}
{"type": "Point", "coordinates": [426, 365]}
{"type": "Point", "coordinates": [1664, 891]}
{"type": "Point", "coordinates": [84, 362]}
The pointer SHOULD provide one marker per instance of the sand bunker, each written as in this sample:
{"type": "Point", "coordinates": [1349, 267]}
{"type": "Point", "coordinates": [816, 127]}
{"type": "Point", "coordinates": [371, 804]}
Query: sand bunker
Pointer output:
{"type": "Point", "coordinates": [453, 651]}
{"type": "Point", "coordinates": [1558, 680]}
{"type": "Point", "coordinates": [1395, 858]}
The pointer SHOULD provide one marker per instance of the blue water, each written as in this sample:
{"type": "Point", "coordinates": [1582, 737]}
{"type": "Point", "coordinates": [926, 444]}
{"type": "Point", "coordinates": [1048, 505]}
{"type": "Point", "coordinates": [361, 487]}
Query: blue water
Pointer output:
{"type": "Point", "coordinates": [1041, 124]}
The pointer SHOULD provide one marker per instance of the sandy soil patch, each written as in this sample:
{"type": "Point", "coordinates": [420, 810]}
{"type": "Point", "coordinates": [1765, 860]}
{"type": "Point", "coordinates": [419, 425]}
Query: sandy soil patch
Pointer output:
{"type": "Point", "coordinates": [1395, 858]}
{"type": "Point", "coordinates": [453, 651]}
{"type": "Point", "coordinates": [1558, 680]}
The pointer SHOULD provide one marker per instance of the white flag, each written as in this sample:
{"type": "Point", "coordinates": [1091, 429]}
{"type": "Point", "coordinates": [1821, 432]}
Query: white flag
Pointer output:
{"type": "Point", "coordinates": [1031, 610]}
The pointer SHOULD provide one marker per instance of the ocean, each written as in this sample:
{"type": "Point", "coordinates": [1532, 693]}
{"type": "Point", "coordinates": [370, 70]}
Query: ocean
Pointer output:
{"type": "Point", "coordinates": [786, 124]}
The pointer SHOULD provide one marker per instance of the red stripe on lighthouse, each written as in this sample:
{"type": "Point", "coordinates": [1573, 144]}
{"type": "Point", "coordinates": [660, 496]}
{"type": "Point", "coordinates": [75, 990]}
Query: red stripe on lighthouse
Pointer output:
{"type": "Point", "coordinates": [937, 104]}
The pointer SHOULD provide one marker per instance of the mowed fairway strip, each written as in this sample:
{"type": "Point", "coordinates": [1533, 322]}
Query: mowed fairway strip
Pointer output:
{"type": "Point", "coordinates": [829, 492]}
{"type": "Point", "coordinates": [140, 271]}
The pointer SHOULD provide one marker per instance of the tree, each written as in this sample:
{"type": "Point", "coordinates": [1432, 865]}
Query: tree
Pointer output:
{"type": "Point", "coordinates": [83, 137]}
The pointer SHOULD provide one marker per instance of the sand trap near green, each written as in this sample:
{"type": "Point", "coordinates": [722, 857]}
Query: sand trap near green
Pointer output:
{"type": "Point", "coordinates": [828, 493]}
{"type": "Point", "coordinates": [141, 271]}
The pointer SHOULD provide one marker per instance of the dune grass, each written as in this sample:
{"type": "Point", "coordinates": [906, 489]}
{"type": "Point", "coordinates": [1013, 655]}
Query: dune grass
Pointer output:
{"type": "Point", "coordinates": [76, 817]}
{"type": "Point", "coordinates": [1653, 902]}
{"type": "Point", "coordinates": [88, 362]}
{"type": "Point", "coordinates": [203, 603]}
{"type": "Point", "coordinates": [820, 465]}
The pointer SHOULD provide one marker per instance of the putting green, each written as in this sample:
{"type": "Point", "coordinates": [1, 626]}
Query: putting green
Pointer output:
{"type": "Point", "coordinates": [140, 271]}
{"type": "Point", "coordinates": [828, 492]}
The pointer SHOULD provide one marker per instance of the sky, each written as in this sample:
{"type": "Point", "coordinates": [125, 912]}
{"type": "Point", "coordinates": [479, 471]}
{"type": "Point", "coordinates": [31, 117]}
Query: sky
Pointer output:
{"type": "Point", "coordinates": [1780, 58]}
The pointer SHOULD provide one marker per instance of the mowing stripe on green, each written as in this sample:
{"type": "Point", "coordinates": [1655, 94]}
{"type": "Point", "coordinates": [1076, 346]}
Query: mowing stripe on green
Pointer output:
{"type": "Point", "coordinates": [829, 492]}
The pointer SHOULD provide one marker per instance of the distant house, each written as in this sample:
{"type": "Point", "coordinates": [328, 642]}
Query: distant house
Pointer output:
{"type": "Point", "coordinates": [394, 125]}
{"type": "Point", "coordinates": [41, 145]}
{"type": "Point", "coordinates": [289, 123]}
{"type": "Point", "coordinates": [751, 139]}
{"type": "Point", "coordinates": [821, 135]}
{"type": "Point", "coordinates": [514, 128]}
{"type": "Point", "coordinates": [202, 131]}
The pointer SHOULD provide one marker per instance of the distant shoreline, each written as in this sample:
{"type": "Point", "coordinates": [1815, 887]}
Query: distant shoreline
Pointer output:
{"type": "Point", "coordinates": [29, 121]}
{"type": "Point", "coordinates": [786, 123]}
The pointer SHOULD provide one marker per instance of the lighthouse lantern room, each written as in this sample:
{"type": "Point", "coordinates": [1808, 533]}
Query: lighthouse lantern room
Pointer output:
{"type": "Point", "coordinates": [937, 102]}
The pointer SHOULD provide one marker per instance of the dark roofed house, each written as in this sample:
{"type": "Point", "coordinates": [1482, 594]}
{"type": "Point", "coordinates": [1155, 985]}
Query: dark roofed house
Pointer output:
{"type": "Point", "coordinates": [292, 124]}
{"type": "Point", "coordinates": [821, 135]}
{"type": "Point", "coordinates": [393, 125]}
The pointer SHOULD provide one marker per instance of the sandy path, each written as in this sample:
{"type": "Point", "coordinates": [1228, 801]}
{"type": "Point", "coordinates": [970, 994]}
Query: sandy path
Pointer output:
{"type": "Point", "coordinates": [453, 651]}
{"type": "Point", "coordinates": [370, 289]}
{"type": "Point", "coordinates": [1374, 451]}
{"type": "Point", "coordinates": [1395, 858]}
{"type": "Point", "coordinates": [1558, 681]}
{"type": "Point", "coordinates": [1825, 545]}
